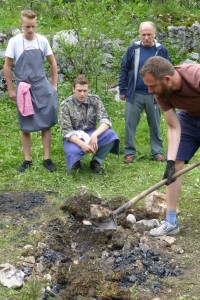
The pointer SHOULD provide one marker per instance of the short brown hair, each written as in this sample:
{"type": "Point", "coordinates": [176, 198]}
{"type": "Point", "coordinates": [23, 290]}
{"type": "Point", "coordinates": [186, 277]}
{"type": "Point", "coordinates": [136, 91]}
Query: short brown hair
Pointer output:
{"type": "Point", "coordinates": [158, 67]}
{"type": "Point", "coordinates": [28, 14]}
{"type": "Point", "coordinates": [80, 79]}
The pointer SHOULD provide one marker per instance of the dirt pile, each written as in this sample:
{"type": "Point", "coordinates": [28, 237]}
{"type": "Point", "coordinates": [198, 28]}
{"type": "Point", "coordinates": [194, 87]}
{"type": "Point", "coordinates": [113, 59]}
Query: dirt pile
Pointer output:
{"type": "Point", "coordinates": [94, 264]}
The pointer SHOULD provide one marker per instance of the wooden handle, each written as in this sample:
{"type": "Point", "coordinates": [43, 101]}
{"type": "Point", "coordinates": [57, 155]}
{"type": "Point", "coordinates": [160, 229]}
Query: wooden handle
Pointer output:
{"type": "Point", "coordinates": [153, 188]}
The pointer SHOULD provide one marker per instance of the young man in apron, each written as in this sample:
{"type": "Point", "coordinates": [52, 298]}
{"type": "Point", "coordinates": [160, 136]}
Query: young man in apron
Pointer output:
{"type": "Point", "coordinates": [36, 97]}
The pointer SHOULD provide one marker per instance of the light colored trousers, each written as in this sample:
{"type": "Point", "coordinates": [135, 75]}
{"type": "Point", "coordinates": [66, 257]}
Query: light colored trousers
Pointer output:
{"type": "Point", "coordinates": [132, 117]}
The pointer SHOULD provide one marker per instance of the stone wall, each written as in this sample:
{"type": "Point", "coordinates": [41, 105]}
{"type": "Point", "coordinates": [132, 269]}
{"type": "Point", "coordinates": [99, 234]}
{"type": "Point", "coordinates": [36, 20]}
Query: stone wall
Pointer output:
{"type": "Point", "coordinates": [185, 37]}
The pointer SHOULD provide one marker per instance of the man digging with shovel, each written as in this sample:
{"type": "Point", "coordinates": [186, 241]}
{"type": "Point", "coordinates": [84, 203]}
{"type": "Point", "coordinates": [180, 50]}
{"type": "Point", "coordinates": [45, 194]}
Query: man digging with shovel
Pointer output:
{"type": "Point", "coordinates": [175, 87]}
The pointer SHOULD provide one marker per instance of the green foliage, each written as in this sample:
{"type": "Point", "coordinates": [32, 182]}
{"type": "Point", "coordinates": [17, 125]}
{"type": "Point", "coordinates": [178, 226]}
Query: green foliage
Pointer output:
{"type": "Point", "coordinates": [85, 19]}
{"type": "Point", "coordinates": [1, 63]}
{"type": "Point", "coordinates": [178, 54]}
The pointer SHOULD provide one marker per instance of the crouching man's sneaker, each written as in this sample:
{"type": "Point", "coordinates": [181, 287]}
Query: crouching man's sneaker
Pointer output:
{"type": "Point", "coordinates": [95, 167]}
{"type": "Point", "coordinates": [165, 228]}
{"type": "Point", "coordinates": [77, 166]}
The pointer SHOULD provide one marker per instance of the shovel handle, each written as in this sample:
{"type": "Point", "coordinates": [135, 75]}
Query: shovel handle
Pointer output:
{"type": "Point", "coordinates": [153, 188]}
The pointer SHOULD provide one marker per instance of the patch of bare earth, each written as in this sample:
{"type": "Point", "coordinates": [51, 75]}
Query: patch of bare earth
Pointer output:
{"type": "Point", "coordinates": [87, 263]}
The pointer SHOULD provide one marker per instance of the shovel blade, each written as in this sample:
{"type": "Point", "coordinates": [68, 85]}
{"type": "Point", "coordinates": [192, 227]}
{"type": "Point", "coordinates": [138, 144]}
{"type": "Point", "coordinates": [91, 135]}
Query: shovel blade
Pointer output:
{"type": "Point", "coordinates": [102, 217]}
{"type": "Point", "coordinates": [107, 224]}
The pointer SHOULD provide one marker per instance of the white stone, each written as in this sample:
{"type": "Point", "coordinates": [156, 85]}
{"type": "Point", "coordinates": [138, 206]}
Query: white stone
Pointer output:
{"type": "Point", "coordinates": [65, 36]}
{"type": "Point", "coordinates": [27, 247]}
{"type": "Point", "coordinates": [104, 254]}
{"type": "Point", "coordinates": [149, 223]}
{"type": "Point", "coordinates": [15, 31]}
{"type": "Point", "coordinates": [87, 223]}
{"type": "Point", "coordinates": [115, 92]}
{"type": "Point", "coordinates": [47, 277]}
{"type": "Point", "coordinates": [144, 247]}
{"type": "Point", "coordinates": [10, 276]}
{"type": "Point", "coordinates": [131, 219]}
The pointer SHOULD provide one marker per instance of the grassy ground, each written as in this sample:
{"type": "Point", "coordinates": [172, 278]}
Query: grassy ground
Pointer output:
{"type": "Point", "coordinates": [119, 180]}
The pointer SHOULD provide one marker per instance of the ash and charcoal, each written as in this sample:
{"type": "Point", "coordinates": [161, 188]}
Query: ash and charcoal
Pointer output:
{"type": "Point", "coordinates": [152, 263]}
{"type": "Point", "coordinates": [20, 202]}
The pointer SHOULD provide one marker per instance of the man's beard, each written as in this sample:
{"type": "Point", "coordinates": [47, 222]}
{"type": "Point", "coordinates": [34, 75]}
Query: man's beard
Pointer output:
{"type": "Point", "coordinates": [166, 90]}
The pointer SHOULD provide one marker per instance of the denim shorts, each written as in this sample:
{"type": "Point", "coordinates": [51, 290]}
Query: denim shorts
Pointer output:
{"type": "Point", "coordinates": [190, 136]}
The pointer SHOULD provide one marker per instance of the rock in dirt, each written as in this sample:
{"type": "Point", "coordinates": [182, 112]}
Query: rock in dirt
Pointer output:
{"type": "Point", "coordinates": [155, 204]}
{"type": "Point", "coordinates": [10, 276]}
{"type": "Point", "coordinates": [131, 220]}
{"type": "Point", "coordinates": [149, 223]}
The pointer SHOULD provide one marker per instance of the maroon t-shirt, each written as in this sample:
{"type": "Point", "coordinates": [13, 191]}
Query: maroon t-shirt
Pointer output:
{"type": "Point", "coordinates": [188, 99]}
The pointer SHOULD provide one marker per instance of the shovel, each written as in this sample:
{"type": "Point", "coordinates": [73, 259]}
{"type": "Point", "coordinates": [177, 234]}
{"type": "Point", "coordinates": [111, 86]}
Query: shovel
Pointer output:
{"type": "Point", "coordinates": [104, 218]}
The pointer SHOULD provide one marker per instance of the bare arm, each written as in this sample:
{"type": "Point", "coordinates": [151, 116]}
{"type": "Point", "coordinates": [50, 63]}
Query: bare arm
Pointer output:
{"type": "Point", "coordinates": [53, 65]}
{"type": "Point", "coordinates": [8, 76]}
{"type": "Point", "coordinates": [174, 133]}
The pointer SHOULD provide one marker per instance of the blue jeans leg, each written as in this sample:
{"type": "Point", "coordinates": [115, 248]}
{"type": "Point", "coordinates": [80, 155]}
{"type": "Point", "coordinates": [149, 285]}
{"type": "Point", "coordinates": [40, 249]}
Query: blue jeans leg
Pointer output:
{"type": "Point", "coordinates": [103, 152]}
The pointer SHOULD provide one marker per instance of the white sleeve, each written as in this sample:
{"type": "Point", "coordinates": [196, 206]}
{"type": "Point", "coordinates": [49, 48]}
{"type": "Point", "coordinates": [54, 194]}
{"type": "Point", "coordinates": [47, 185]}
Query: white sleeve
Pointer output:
{"type": "Point", "coordinates": [45, 46]}
{"type": "Point", "coordinates": [48, 49]}
{"type": "Point", "coordinates": [10, 49]}
{"type": "Point", "coordinates": [15, 47]}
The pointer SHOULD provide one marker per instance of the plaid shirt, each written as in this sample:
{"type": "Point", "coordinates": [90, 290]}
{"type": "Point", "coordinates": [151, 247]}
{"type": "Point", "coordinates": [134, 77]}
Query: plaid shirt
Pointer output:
{"type": "Point", "coordinates": [76, 115]}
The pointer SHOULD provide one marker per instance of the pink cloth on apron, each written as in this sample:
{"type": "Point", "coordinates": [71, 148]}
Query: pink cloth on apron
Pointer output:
{"type": "Point", "coordinates": [24, 101]}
